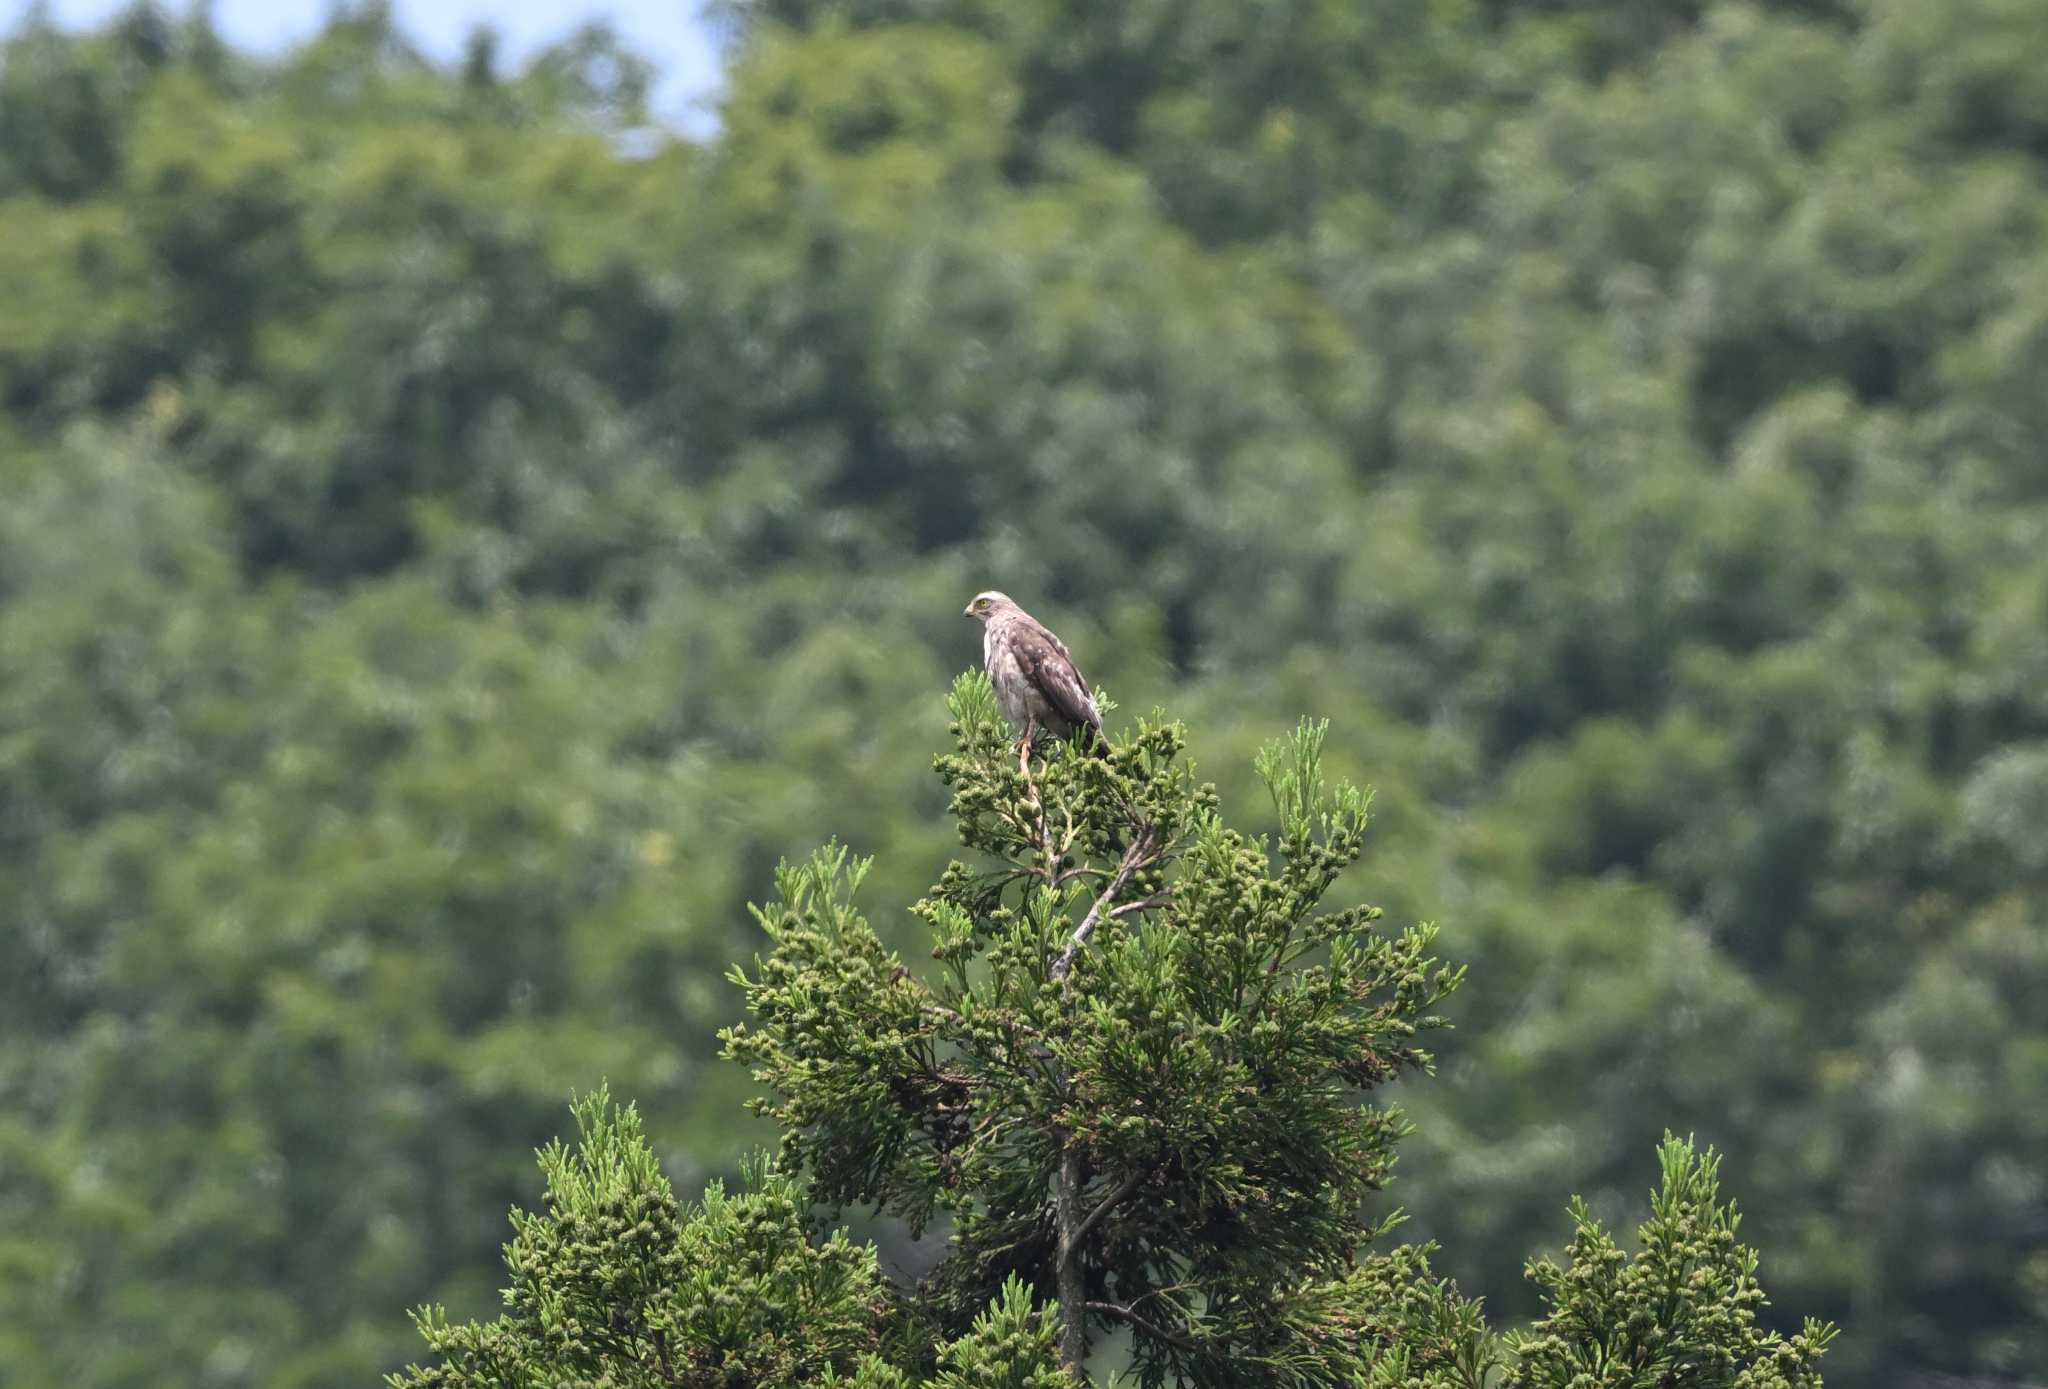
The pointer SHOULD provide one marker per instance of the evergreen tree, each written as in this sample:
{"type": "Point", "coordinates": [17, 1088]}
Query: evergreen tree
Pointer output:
{"type": "Point", "coordinates": [1141, 1086]}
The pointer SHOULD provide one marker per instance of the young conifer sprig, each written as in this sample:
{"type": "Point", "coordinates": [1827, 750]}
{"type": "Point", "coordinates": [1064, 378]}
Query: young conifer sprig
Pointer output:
{"type": "Point", "coordinates": [1681, 1310]}
{"type": "Point", "coordinates": [853, 1044]}
{"type": "Point", "coordinates": [616, 1282]}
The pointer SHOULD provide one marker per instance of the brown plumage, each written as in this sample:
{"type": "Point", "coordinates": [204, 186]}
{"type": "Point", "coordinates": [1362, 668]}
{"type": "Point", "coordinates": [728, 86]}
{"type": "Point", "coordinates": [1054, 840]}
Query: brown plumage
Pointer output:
{"type": "Point", "coordinates": [1036, 682]}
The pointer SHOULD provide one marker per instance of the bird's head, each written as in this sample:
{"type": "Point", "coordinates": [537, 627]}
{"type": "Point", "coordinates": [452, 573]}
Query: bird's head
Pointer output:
{"type": "Point", "coordinates": [986, 605]}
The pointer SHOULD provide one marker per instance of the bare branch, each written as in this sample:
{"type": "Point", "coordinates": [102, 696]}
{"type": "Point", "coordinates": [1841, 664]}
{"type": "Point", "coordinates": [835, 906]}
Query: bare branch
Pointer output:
{"type": "Point", "coordinates": [1125, 1314]}
{"type": "Point", "coordinates": [1135, 857]}
{"type": "Point", "coordinates": [1106, 1205]}
{"type": "Point", "coordinates": [1147, 904]}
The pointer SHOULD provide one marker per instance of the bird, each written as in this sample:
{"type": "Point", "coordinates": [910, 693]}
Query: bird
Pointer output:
{"type": "Point", "coordinates": [1036, 683]}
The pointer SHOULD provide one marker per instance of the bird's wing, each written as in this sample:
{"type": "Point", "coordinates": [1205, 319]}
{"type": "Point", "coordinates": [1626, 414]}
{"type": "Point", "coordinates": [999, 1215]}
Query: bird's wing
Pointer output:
{"type": "Point", "coordinates": [1048, 666]}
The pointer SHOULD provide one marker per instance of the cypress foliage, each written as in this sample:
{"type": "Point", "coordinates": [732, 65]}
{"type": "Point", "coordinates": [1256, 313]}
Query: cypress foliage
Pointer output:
{"type": "Point", "coordinates": [1141, 1086]}
{"type": "Point", "coordinates": [1681, 1310]}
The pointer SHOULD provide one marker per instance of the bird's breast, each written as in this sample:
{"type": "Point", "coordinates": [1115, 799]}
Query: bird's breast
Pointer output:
{"type": "Point", "coordinates": [1015, 695]}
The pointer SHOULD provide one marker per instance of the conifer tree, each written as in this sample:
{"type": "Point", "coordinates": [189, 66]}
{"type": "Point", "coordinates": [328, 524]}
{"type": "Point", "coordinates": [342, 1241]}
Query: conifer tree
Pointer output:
{"type": "Point", "coordinates": [1138, 1078]}
{"type": "Point", "coordinates": [1140, 1087]}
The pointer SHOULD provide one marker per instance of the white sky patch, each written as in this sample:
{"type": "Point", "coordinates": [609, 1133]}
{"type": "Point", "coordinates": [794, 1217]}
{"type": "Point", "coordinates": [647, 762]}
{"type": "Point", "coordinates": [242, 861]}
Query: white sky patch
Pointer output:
{"type": "Point", "coordinates": [669, 33]}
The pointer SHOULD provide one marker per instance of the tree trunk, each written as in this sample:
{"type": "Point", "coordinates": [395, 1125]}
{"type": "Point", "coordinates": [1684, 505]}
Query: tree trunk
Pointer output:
{"type": "Point", "coordinates": [1066, 1210]}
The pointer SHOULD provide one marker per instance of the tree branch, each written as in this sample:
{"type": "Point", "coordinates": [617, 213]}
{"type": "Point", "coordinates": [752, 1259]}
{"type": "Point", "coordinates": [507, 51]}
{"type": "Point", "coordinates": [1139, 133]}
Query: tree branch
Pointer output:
{"type": "Point", "coordinates": [1108, 1203]}
{"type": "Point", "coordinates": [1069, 1284]}
{"type": "Point", "coordinates": [1135, 858]}
{"type": "Point", "coordinates": [1125, 1314]}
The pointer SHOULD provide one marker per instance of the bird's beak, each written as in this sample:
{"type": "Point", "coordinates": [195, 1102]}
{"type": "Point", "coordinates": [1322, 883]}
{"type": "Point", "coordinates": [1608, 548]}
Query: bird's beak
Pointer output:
{"type": "Point", "coordinates": [967, 611]}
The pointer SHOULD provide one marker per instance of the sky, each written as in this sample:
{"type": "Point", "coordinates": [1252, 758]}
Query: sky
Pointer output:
{"type": "Point", "coordinates": [668, 32]}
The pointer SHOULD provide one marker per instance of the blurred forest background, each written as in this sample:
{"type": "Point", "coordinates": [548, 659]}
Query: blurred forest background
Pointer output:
{"type": "Point", "coordinates": [456, 537]}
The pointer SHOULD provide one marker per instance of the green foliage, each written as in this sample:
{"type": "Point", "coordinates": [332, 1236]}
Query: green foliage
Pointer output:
{"type": "Point", "coordinates": [1681, 1310]}
{"type": "Point", "coordinates": [1010, 1346]}
{"type": "Point", "coordinates": [1189, 1064]}
{"type": "Point", "coordinates": [1134, 1002]}
{"type": "Point", "coordinates": [617, 1283]}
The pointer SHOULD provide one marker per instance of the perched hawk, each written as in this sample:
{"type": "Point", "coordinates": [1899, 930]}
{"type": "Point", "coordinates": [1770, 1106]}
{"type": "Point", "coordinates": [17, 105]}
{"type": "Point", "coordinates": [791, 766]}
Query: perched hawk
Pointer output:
{"type": "Point", "coordinates": [1036, 683]}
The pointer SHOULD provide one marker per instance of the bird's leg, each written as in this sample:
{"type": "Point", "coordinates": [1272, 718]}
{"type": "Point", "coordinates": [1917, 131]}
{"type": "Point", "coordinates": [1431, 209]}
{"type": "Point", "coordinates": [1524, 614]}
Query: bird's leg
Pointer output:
{"type": "Point", "coordinates": [1030, 786]}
